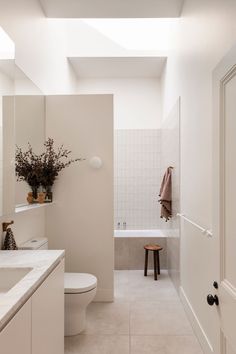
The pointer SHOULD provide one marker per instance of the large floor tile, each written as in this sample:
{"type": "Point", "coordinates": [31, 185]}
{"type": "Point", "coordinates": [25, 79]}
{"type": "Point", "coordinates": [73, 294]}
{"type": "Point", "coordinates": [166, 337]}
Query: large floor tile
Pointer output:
{"type": "Point", "coordinates": [121, 286]}
{"type": "Point", "coordinates": [107, 318]}
{"type": "Point", "coordinates": [147, 317]}
{"type": "Point", "coordinates": [158, 318]}
{"type": "Point", "coordinates": [165, 345]}
{"type": "Point", "coordinates": [121, 278]}
{"type": "Point", "coordinates": [147, 294]}
{"type": "Point", "coordinates": [133, 286]}
{"type": "Point", "coordinates": [93, 344]}
{"type": "Point", "coordinates": [147, 289]}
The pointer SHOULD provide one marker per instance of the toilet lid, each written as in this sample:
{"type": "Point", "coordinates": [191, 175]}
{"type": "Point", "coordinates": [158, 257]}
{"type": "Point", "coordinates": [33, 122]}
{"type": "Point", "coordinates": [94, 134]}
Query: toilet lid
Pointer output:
{"type": "Point", "coordinates": [76, 283]}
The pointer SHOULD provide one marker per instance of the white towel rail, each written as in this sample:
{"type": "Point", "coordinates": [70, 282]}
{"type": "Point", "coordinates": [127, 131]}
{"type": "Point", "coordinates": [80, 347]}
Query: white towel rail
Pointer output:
{"type": "Point", "coordinates": [206, 232]}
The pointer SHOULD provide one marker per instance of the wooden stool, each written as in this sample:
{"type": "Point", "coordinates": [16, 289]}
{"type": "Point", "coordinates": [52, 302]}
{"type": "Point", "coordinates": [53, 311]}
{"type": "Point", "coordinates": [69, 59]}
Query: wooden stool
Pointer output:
{"type": "Point", "coordinates": [155, 249]}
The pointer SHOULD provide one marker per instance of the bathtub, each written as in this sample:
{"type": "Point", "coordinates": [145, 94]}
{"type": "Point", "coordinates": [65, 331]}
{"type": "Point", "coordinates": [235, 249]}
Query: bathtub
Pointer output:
{"type": "Point", "coordinates": [138, 233]}
{"type": "Point", "coordinates": [129, 252]}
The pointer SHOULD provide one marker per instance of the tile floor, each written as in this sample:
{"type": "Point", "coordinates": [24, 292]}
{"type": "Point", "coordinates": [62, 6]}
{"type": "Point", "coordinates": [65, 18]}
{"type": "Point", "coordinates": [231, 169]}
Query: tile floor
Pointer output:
{"type": "Point", "coordinates": [145, 318]}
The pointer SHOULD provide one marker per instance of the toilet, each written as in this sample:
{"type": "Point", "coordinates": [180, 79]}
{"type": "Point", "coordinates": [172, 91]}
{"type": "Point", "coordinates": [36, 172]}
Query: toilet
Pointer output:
{"type": "Point", "coordinates": [79, 289]}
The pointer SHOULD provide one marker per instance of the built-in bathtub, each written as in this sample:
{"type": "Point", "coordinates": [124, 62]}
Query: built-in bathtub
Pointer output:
{"type": "Point", "coordinates": [129, 252]}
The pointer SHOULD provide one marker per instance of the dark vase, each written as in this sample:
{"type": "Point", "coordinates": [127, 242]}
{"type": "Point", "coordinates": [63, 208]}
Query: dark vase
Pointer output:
{"type": "Point", "coordinates": [49, 194]}
{"type": "Point", "coordinates": [9, 242]}
{"type": "Point", "coordinates": [35, 192]}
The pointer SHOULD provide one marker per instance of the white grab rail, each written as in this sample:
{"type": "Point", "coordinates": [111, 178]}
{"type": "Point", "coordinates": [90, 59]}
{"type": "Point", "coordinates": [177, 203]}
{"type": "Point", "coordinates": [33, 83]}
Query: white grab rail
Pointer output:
{"type": "Point", "coordinates": [206, 232]}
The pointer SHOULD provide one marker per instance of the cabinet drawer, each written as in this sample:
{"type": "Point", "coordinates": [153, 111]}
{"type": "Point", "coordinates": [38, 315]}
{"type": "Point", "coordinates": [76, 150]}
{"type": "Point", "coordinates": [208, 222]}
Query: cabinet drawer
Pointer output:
{"type": "Point", "coordinates": [16, 336]}
{"type": "Point", "coordinates": [48, 314]}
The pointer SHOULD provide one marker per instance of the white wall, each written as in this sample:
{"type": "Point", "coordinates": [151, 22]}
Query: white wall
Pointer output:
{"type": "Point", "coordinates": [6, 84]}
{"type": "Point", "coordinates": [170, 156]}
{"type": "Point", "coordinates": [96, 44]}
{"type": "Point", "coordinates": [137, 102]}
{"type": "Point", "coordinates": [40, 45]}
{"type": "Point", "coordinates": [207, 31]}
{"type": "Point", "coordinates": [81, 221]}
{"type": "Point", "coordinates": [24, 86]}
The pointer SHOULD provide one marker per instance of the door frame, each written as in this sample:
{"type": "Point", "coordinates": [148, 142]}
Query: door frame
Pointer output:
{"type": "Point", "coordinates": [223, 72]}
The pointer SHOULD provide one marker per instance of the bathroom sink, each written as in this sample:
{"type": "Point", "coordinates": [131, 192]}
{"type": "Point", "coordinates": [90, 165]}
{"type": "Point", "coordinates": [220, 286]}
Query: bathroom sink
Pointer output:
{"type": "Point", "coordinates": [9, 277]}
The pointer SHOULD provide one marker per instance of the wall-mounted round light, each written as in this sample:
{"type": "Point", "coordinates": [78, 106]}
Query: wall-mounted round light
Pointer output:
{"type": "Point", "coordinates": [95, 162]}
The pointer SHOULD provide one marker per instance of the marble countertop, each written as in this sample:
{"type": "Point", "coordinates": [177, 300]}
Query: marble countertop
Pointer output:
{"type": "Point", "coordinates": [42, 263]}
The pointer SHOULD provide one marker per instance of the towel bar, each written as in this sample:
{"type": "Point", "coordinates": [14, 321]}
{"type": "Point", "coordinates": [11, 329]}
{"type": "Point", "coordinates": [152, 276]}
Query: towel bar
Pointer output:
{"type": "Point", "coordinates": [208, 233]}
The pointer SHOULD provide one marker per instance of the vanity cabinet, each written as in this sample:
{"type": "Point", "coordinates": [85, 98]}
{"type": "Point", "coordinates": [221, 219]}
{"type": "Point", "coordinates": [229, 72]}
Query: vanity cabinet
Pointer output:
{"type": "Point", "coordinates": [16, 336]}
{"type": "Point", "coordinates": [48, 314]}
{"type": "Point", "coordinates": [38, 327]}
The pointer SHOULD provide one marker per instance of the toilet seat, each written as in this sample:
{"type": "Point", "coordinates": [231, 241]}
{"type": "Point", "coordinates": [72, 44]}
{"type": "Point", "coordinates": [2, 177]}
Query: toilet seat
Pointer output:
{"type": "Point", "coordinates": [78, 283]}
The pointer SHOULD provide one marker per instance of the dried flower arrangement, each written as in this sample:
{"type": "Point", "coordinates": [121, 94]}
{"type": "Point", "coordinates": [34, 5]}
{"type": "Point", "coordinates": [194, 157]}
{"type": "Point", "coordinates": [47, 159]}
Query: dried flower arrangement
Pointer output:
{"type": "Point", "coordinates": [42, 170]}
{"type": "Point", "coordinates": [28, 168]}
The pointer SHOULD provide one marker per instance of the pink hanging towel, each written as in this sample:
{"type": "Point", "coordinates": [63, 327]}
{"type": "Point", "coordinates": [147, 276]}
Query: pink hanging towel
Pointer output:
{"type": "Point", "coordinates": [165, 195]}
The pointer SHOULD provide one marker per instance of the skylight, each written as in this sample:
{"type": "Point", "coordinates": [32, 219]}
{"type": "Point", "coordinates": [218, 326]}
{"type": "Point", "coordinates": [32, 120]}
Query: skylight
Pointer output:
{"type": "Point", "coordinates": [138, 34]}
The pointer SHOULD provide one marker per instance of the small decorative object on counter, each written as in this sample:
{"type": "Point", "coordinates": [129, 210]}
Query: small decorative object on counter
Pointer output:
{"type": "Point", "coordinates": [49, 195]}
{"type": "Point", "coordinates": [30, 198]}
{"type": "Point", "coordinates": [9, 242]}
{"type": "Point", "coordinates": [41, 197]}
{"type": "Point", "coordinates": [41, 171]}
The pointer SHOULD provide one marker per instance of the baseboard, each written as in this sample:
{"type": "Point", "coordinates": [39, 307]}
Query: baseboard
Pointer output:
{"type": "Point", "coordinates": [104, 295]}
{"type": "Point", "coordinates": [199, 331]}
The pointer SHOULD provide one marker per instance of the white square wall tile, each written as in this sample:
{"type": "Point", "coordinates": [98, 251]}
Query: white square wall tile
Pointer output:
{"type": "Point", "coordinates": [137, 177]}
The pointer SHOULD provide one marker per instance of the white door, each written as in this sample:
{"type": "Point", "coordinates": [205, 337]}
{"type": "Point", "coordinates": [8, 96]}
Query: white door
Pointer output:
{"type": "Point", "coordinates": [224, 196]}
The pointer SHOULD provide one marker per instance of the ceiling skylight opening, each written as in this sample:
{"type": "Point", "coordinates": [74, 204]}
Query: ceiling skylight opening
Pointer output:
{"type": "Point", "coordinates": [139, 34]}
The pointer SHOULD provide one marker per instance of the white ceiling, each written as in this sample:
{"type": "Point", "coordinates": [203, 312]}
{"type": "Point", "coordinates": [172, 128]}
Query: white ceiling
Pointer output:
{"type": "Point", "coordinates": [112, 8]}
{"type": "Point", "coordinates": [117, 67]}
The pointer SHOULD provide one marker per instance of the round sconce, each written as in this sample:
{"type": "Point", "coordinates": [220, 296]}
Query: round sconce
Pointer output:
{"type": "Point", "coordinates": [95, 162]}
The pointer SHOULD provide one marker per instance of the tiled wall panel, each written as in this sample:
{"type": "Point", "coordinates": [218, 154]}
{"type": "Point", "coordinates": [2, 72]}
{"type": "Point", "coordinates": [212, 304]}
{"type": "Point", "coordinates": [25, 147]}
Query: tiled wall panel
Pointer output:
{"type": "Point", "coordinates": [137, 178]}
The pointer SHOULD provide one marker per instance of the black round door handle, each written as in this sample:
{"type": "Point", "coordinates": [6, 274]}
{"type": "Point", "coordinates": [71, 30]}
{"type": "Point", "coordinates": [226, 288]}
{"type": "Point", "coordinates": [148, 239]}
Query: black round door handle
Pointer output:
{"type": "Point", "coordinates": [211, 300]}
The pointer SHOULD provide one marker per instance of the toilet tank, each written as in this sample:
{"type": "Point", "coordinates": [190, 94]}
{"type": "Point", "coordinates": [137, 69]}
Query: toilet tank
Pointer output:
{"type": "Point", "coordinates": [37, 243]}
